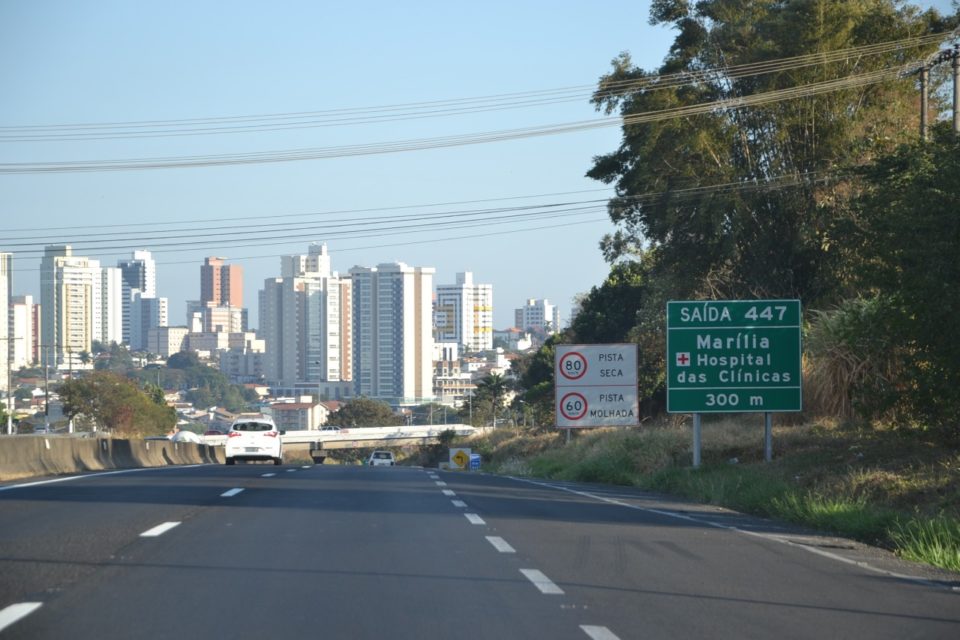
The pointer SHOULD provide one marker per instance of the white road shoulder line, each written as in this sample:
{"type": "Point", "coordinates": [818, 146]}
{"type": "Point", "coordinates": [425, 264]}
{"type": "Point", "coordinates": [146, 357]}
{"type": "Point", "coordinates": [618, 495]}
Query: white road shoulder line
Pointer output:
{"type": "Point", "coordinates": [500, 544]}
{"type": "Point", "coordinates": [541, 582]}
{"type": "Point", "coordinates": [474, 518]}
{"type": "Point", "coordinates": [231, 493]}
{"type": "Point", "coordinates": [17, 611]}
{"type": "Point", "coordinates": [159, 530]}
{"type": "Point", "coordinates": [756, 534]}
{"type": "Point", "coordinates": [598, 633]}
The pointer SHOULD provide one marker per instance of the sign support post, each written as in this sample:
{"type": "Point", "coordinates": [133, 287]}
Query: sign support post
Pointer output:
{"type": "Point", "coordinates": [696, 440]}
{"type": "Point", "coordinates": [768, 437]}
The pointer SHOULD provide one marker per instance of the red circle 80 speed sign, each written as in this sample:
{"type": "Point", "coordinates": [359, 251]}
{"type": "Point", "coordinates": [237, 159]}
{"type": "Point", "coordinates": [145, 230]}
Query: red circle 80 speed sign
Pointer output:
{"type": "Point", "coordinates": [573, 365]}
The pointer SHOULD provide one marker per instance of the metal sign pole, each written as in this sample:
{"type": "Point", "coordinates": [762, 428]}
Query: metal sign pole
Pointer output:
{"type": "Point", "coordinates": [768, 437]}
{"type": "Point", "coordinates": [696, 441]}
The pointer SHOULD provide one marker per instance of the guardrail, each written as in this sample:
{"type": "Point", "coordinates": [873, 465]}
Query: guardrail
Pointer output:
{"type": "Point", "coordinates": [343, 438]}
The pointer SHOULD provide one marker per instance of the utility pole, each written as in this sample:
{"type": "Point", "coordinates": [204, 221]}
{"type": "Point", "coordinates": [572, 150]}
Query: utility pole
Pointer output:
{"type": "Point", "coordinates": [953, 55]}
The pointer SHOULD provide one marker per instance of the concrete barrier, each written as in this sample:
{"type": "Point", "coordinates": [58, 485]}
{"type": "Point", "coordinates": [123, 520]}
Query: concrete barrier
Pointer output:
{"type": "Point", "coordinates": [31, 456]}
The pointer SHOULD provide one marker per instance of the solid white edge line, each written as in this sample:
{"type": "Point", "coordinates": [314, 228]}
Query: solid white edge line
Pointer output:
{"type": "Point", "coordinates": [159, 530]}
{"type": "Point", "coordinates": [500, 544]}
{"type": "Point", "coordinates": [474, 518]}
{"type": "Point", "coordinates": [459, 503]}
{"type": "Point", "coordinates": [94, 475]}
{"type": "Point", "coordinates": [598, 633]}
{"type": "Point", "coordinates": [15, 612]}
{"type": "Point", "coordinates": [230, 493]}
{"type": "Point", "coordinates": [755, 534]}
{"type": "Point", "coordinates": [542, 582]}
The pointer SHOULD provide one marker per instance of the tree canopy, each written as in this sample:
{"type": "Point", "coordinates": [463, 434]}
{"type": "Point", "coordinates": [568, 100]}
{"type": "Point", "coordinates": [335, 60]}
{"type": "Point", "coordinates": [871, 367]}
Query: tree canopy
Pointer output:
{"type": "Point", "coordinates": [363, 412]}
{"type": "Point", "coordinates": [117, 404]}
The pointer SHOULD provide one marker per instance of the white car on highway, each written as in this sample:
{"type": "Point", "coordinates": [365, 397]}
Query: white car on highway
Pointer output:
{"type": "Point", "coordinates": [381, 459]}
{"type": "Point", "coordinates": [254, 438]}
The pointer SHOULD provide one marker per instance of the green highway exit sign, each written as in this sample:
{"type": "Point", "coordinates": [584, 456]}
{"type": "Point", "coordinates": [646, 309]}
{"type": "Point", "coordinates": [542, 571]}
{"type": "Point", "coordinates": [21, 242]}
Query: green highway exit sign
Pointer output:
{"type": "Point", "coordinates": [731, 356]}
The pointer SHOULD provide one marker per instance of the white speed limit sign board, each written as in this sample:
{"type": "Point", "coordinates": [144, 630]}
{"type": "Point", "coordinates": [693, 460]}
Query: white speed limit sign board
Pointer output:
{"type": "Point", "coordinates": [596, 385]}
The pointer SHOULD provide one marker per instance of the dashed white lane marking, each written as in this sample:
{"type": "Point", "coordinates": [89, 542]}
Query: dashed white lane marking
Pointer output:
{"type": "Point", "coordinates": [598, 633]}
{"type": "Point", "coordinates": [231, 493]}
{"type": "Point", "coordinates": [268, 475]}
{"type": "Point", "coordinates": [449, 493]}
{"type": "Point", "coordinates": [474, 518]}
{"type": "Point", "coordinates": [159, 530]}
{"type": "Point", "coordinates": [307, 466]}
{"type": "Point", "coordinates": [433, 476]}
{"type": "Point", "coordinates": [441, 483]}
{"type": "Point", "coordinates": [17, 611]}
{"type": "Point", "coordinates": [290, 470]}
{"type": "Point", "coordinates": [541, 582]}
{"type": "Point", "coordinates": [459, 503]}
{"type": "Point", "coordinates": [500, 544]}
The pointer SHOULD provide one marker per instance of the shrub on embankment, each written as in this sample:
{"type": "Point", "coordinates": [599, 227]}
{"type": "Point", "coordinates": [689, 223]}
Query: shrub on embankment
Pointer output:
{"type": "Point", "coordinates": [892, 488]}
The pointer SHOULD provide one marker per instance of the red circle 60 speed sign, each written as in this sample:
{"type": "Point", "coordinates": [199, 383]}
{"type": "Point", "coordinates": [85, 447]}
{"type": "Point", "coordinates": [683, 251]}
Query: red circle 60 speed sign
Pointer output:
{"type": "Point", "coordinates": [573, 406]}
{"type": "Point", "coordinates": [573, 365]}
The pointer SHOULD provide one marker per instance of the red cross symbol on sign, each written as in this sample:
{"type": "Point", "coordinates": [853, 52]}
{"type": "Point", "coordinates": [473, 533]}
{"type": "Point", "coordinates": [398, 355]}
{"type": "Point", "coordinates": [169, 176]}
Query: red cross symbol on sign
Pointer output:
{"type": "Point", "coordinates": [683, 359]}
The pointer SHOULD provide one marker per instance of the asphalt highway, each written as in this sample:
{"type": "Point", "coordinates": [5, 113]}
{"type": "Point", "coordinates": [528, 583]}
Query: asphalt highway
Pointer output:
{"type": "Point", "coordinates": [253, 551]}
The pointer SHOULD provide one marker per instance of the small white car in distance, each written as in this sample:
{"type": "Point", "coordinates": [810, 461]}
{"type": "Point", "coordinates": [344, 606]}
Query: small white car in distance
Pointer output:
{"type": "Point", "coordinates": [254, 438]}
{"type": "Point", "coordinates": [381, 459]}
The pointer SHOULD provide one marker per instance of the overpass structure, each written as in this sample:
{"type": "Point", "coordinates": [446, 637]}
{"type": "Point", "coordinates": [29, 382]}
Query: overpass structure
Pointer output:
{"type": "Point", "coordinates": [362, 437]}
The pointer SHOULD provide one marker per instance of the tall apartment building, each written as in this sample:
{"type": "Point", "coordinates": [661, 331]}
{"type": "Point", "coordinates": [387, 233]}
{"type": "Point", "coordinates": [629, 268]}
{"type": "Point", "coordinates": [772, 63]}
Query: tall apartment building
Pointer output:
{"type": "Point", "coordinates": [80, 304]}
{"type": "Point", "coordinates": [463, 314]}
{"type": "Point", "coordinates": [146, 314]}
{"type": "Point", "coordinates": [6, 338]}
{"type": "Point", "coordinates": [221, 285]}
{"type": "Point", "coordinates": [139, 275]}
{"type": "Point", "coordinates": [24, 332]}
{"type": "Point", "coordinates": [538, 316]}
{"type": "Point", "coordinates": [392, 333]}
{"type": "Point", "coordinates": [108, 304]}
{"type": "Point", "coordinates": [305, 321]}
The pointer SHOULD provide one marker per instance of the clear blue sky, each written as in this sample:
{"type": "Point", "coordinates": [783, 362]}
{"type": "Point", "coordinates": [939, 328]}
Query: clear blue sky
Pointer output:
{"type": "Point", "coordinates": [67, 62]}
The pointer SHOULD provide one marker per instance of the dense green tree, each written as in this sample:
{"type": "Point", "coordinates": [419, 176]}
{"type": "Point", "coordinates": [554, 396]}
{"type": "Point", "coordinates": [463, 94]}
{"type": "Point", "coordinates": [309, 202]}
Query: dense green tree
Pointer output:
{"type": "Point", "coordinates": [116, 358]}
{"type": "Point", "coordinates": [910, 259]}
{"type": "Point", "coordinates": [737, 202]}
{"type": "Point", "coordinates": [364, 412]}
{"type": "Point", "coordinates": [490, 392]}
{"type": "Point", "coordinates": [116, 403]}
{"type": "Point", "coordinates": [433, 413]}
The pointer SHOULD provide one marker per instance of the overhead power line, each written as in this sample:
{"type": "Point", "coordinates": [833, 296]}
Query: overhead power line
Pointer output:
{"type": "Point", "coordinates": [179, 239]}
{"type": "Point", "coordinates": [439, 108]}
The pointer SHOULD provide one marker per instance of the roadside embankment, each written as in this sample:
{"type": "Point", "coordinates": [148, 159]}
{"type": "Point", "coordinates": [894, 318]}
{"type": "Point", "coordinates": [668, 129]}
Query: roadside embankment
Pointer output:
{"type": "Point", "coordinates": [30, 456]}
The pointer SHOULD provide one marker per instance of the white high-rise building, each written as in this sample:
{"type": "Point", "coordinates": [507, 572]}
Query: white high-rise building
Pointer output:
{"type": "Point", "coordinates": [81, 303]}
{"type": "Point", "coordinates": [108, 307]}
{"type": "Point", "coordinates": [392, 333]}
{"type": "Point", "coordinates": [67, 286]}
{"type": "Point", "coordinates": [139, 275]}
{"type": "Point", "coordinates": [305, 321]}
{"type": "Point", "coordinates": [463, 313]}
{"type": "Point", "coordinates": [23, 332]}
{"type": "Point", "coordinates": [146, 314]}
{"type": "Point", "coordinates": [538, 316]}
